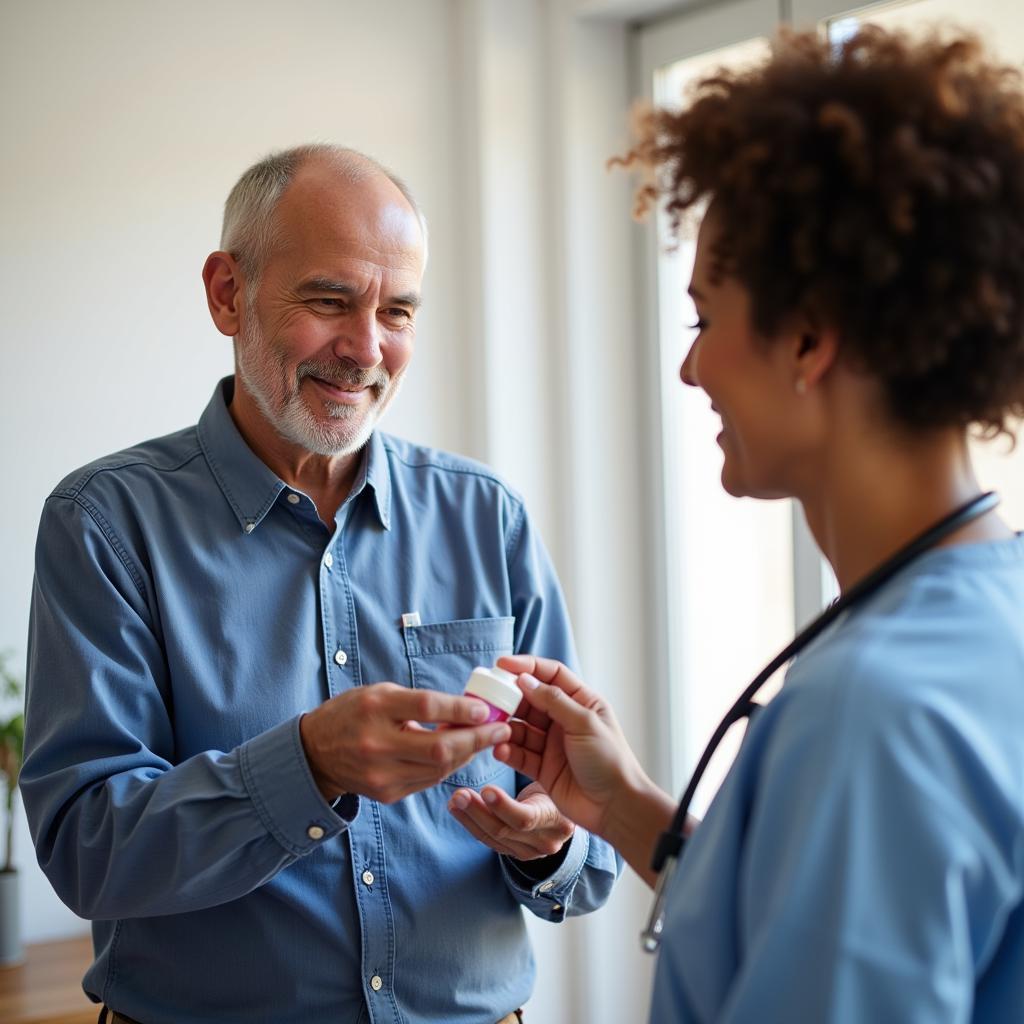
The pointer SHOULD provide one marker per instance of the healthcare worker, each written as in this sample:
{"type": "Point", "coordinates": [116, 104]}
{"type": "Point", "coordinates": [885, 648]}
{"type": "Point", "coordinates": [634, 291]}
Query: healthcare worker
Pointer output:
{"type": "Point", "coordinates": [859, 283]}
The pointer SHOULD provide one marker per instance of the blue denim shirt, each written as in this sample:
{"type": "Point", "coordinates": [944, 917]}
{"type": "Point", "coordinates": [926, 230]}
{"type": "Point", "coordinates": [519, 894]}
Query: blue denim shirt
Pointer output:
{"type": "Point", "coordinates": [188, 607]}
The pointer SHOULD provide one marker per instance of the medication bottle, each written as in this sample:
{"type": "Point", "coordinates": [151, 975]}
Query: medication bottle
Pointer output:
{"type": "Point", "coordinates": [497, 689]}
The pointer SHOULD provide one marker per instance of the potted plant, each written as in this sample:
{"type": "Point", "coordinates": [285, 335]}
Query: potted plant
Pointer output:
{"type": "Point", "coordinates": [12, 747]}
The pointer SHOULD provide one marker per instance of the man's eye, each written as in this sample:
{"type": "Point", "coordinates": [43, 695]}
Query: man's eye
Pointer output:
{"type": "Point", "coordinates": [398, 314]}
{"type": "Point", "coordinates": [329, 303]}
{"type": "Point", "coordinates": [698, 326]}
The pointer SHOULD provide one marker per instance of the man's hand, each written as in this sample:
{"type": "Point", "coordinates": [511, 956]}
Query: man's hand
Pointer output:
{"type": "Point", "coordinates": [369, 740]}
{"type": "Point", "coordinates": [526, 828]}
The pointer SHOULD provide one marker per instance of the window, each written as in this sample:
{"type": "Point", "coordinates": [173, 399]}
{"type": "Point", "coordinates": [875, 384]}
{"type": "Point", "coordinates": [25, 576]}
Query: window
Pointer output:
{"type": "Point", "coordinates": [740, 575]}
{"type": "Point", "coordinates": [728, 564]}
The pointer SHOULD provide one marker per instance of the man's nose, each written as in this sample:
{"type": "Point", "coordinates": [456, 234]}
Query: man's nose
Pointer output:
{"type": "Point", "coordinates": [359, 340]}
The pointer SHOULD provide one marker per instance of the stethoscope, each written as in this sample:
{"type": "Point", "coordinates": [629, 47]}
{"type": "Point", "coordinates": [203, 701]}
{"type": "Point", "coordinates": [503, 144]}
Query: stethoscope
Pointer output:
{"type": "Point", "coordinates": [670, 843]}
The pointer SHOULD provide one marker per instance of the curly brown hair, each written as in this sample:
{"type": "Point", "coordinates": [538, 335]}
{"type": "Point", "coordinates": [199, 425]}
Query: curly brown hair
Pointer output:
{"type": "Point", "coordinates": [876, 186]}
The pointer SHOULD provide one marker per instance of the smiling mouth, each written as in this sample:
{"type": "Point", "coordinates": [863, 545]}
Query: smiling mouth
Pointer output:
{"type": "Point", "coordinates": [336, 386]}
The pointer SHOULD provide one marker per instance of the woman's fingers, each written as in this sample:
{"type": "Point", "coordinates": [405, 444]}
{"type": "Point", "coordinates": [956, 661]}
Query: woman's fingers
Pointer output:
{"type": "Point", "coordinates": [524, 761]}
{"type": "Point", "coordinates": [533, 670]}
{"type": "Point", "coordinates": [528, 736]}
{"type": "Point", "coordinates": [525, 749]}
{"type": "Point", "coordinates": [547, 670]}
{"type": "Point", "coordinates": [574, 717]}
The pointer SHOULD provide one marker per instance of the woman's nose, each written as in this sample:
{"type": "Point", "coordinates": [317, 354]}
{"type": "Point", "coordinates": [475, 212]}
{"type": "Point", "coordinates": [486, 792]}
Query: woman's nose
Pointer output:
{"type": "Point", "coordinates": [688, 371]}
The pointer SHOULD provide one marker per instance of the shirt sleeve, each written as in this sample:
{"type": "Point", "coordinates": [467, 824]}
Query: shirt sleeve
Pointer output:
{"type": "Point", "coordinates": [109, 808]}
{"type": "Point", "coordinates": [583, 880]}
{"type": "Point", "coordinates": [869, 882]}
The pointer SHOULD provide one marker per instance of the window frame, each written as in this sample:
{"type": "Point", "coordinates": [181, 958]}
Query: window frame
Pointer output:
{"type": "Point", "coordinates": [691, 33]}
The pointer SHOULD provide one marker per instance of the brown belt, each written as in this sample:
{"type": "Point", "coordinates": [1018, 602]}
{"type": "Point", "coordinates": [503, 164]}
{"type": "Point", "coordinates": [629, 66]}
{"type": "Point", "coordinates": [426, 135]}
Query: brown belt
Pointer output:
{"type": "Point", "coordinates": [108, 1016]}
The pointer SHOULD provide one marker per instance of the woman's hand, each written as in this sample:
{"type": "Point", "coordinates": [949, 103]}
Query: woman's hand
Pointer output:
{"type": "Point", "coordinates": [569, 741]}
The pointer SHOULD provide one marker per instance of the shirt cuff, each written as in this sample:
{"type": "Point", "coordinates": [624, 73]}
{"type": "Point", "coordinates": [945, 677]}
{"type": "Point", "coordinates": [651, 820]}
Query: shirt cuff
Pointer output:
{"type": "Point", "coordinates": [278, 779]}
{"type": "Point", "coordinates": [557, 887]}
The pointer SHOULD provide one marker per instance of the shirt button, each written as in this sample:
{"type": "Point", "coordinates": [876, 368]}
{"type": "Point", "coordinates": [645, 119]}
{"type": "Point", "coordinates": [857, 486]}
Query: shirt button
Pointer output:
{"type": "Point", "coordinates": [368, 877]}
{"type": "Point", "coordinates": [328, 559]}
{"type": "Point", "coordinates": [376, 983]}
{"type": "Point", "coordinates": [547, 887]}
{"type": "Point", "coordinates": [340, 656]}
{"type": "Point", "coordinates": [294, 499]}
{"type": "Point", "coordinates": [315, 832]}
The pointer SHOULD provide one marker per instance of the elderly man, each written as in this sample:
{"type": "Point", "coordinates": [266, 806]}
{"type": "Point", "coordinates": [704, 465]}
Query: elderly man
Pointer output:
{"type": "Point", "coordinates": [240, 636]}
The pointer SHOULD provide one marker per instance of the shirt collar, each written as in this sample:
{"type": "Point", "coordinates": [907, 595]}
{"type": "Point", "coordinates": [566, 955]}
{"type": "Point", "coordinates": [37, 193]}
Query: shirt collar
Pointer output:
{"type": "Point", "coordinates": [250, 486]}
{"type": "Point", "coordinates": [376, 473]}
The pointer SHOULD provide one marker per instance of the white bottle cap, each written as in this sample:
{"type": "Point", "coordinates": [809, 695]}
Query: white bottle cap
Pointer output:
{"type": "Point", "coordinates": [496, 686]}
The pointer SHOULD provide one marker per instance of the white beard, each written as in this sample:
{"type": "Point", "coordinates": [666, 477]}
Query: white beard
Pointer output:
{"type": "Point", "coordinates": [345, 430]}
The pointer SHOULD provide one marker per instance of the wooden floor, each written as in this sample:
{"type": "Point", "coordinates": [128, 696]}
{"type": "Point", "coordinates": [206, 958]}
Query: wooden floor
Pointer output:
{"type": "Point", "coordinates": [47, 987]}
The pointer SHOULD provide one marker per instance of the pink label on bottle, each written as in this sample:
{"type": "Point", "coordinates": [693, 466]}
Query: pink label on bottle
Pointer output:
{"type": "Point", "coordinates": [496, 715]}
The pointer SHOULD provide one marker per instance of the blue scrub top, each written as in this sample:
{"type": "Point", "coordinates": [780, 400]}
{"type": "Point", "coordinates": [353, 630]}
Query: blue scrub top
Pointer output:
{"type": "Point", "coordinates": [864, 859]}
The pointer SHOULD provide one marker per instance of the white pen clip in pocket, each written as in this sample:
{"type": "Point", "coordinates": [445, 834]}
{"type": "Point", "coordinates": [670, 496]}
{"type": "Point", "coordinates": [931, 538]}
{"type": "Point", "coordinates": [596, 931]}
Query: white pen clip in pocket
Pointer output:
{"type": "Point", "coordinates": [410, 619]}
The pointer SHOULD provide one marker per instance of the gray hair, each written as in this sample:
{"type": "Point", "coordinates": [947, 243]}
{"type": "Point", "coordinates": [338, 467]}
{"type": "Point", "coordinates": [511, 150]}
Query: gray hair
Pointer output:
{"type": "Point", "coordinates": [249, 232]}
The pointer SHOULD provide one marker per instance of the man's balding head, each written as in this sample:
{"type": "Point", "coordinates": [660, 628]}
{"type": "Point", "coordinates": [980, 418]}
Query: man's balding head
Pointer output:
{"type": "Point", "coordinates": [250, 227]}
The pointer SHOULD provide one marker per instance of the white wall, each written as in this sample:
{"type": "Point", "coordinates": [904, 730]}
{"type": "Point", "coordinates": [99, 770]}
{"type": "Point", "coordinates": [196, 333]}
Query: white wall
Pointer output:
{"type": "Point", "coordinates": [124, 125]}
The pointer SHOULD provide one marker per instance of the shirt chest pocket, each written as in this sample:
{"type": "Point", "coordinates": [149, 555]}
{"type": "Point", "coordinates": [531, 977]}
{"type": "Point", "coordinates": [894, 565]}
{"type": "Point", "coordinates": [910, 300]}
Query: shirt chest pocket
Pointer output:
{"type": "Point", "coordinates": [442, 655]}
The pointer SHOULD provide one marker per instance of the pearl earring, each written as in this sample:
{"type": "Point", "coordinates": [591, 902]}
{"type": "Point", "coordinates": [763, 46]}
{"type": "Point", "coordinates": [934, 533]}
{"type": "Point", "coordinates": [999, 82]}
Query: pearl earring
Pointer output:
{"type": "Point", "coordinates": [800, 386]}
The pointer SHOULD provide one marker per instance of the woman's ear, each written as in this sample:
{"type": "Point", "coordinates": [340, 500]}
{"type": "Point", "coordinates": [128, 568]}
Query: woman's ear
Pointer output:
{"type": "Point", "coordinates": [225, 291]}
{"type": "Point", "coordinates": [814, 352]}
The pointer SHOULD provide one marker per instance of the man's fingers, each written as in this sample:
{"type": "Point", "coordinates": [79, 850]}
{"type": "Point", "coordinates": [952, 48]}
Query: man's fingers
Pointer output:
{"type": "Point", "coordinates": [432, 706]}
{"type": "Point", "coordinates": [450, 748]}
{"type": "Point", "coordinates": [423, 757]}
{"type": "Point", "coordinates": [469, 810]}
{"type": "Point", "coordinates": [477, 817]}
{"type": "Point", "coordinates": [480, 834]}
{"type": "Point", "coordinates": [510, 812]}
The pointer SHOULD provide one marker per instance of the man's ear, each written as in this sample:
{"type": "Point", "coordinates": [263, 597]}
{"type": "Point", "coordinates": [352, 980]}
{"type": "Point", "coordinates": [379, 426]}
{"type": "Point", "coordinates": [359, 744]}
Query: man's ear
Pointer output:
{"type": "Point", "coordinates": [225, 291]}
